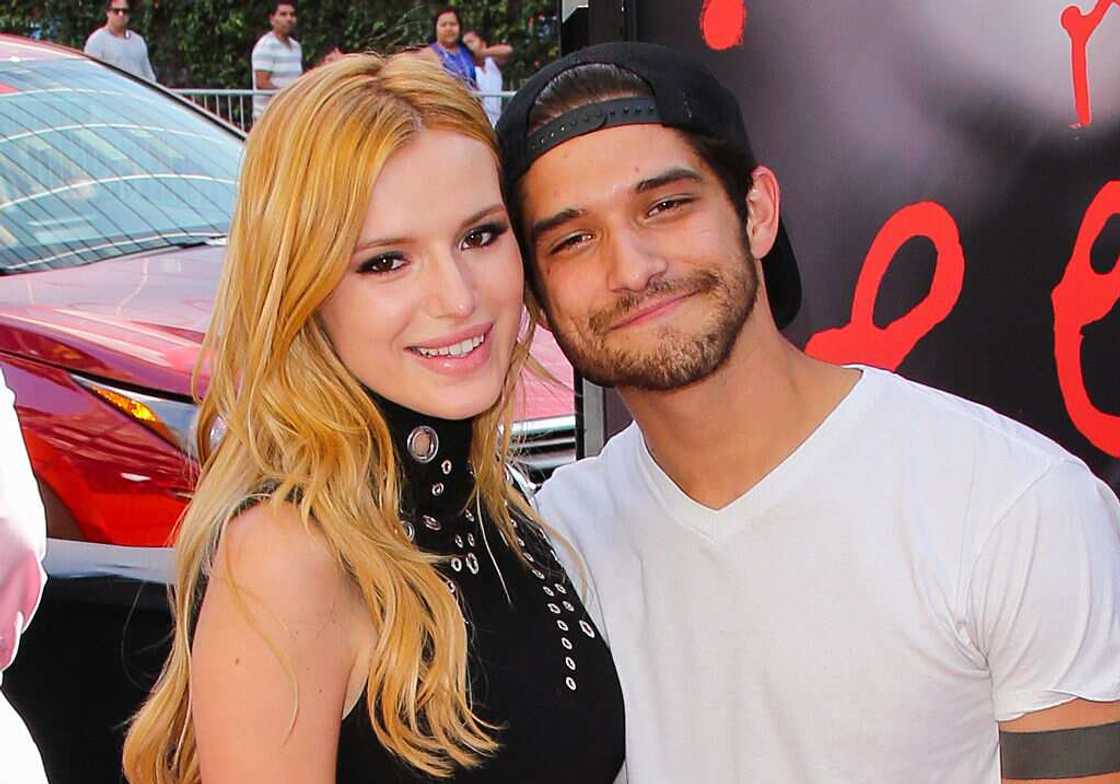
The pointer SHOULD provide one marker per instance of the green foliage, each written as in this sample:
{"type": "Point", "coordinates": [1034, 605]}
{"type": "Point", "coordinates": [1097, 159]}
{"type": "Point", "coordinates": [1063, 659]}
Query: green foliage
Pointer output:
{"type": "Point", "coordinates": [207, 43]}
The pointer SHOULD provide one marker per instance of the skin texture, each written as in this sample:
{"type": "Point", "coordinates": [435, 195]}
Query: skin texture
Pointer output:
{"type": "Point", "coordinates": [117, 23]}
{"type": "Point", "coordinates": [283, 22]}
{"type": "Point", "coordinates": [281, 623]}
{"type": "Point", "coordinates": [770, 395]}
{"type": "Point", "coordinates": [454, 266]}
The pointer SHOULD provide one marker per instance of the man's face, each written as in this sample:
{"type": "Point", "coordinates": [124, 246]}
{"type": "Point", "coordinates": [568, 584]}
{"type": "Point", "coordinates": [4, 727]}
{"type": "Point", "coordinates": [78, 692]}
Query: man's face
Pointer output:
{"type": "Point", "coordinates": [643, 263]}
{"type": "Point", "coordinates": [283, 20]}
{"type": "Point", "coordinates": [118, 15]}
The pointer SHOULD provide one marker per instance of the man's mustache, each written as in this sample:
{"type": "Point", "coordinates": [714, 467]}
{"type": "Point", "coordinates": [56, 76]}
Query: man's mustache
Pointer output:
{"type": "Point", "coordinates": [660, 288]}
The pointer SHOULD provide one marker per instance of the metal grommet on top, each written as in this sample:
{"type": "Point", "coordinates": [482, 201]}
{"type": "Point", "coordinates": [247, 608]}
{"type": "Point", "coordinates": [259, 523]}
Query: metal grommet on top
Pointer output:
{"type": "Point", "coordinates": [409, 530]}
{"type": "Point", "coordinates": [431, 523]}
{"type": "Point", "coordinates": [472, 563]}
{"type": "Point", "coordinates": [422, 444]}
{"type": "Point", "coordinates": [445, 466]}
{"type": "Point", "coordinates": [437, 489]}
{"type": "Point", "coordinates": [457, 564]}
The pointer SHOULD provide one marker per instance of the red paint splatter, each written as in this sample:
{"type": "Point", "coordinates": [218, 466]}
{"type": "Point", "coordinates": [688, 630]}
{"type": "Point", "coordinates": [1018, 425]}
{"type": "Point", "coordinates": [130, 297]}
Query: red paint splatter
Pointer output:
{"type": "Point", "coordinates": [1080, 28]}
{"type": "Point", "coordinates": [860, 340]}
{"type": "Point", "coordinates": [6, 89]}
{"type": "Point", "coordinates": [1082, 297]}
{"type": "Point", "coordinates": [722, 23]}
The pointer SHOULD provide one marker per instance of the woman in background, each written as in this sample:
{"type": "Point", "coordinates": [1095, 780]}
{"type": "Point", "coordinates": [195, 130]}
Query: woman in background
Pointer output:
{"type": "Point", "coordinates": [447, 47]}
{"type": "Point", "coordinates": [362, 594]}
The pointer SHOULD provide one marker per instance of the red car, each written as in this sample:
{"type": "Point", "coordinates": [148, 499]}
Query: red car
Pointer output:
{"type": "Point", "coordinates": [115, 199]}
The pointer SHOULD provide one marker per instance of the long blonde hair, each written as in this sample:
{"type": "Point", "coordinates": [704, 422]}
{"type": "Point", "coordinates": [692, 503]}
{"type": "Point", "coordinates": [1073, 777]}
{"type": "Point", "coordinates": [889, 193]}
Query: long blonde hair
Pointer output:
{"type": "Point", "coordinates": [298, 421]}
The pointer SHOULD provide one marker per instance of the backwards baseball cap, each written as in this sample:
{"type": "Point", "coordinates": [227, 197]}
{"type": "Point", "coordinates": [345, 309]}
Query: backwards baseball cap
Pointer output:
{"type": "Point", "coordinates": [685, 96]}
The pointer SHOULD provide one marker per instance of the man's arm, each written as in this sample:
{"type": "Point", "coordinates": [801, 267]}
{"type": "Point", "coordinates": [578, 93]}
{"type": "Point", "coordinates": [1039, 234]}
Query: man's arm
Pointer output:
{"type": "Point", "coordinates": [1078, 740]}
{"type": "Point", "coordinates": [149, 74]}
{"type": "Point", "coordinates": [264, 80]}
{"type": "Point", "coordinates": [263, 63]}
{"type": "Point", "coordinates": [1045, 606]}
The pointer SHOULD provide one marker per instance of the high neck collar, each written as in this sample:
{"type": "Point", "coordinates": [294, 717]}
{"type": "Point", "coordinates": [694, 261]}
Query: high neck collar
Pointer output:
{"type": "Point", "coordinates": [434, 458]}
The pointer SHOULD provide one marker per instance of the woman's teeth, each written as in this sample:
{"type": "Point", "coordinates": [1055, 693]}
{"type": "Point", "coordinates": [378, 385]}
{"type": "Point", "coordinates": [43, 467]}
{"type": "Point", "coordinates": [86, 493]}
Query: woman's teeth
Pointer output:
{"type": "Point", "coordinates": [456, 350]}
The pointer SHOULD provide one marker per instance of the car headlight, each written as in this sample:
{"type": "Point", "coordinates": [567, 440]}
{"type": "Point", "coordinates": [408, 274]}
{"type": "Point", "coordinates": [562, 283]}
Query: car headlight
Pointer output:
{"type": "Point", "coordinates": [171, 420]}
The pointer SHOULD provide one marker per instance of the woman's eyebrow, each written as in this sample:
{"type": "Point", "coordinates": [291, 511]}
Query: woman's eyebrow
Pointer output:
{"type": "Point", "coordinates": [378, 242]}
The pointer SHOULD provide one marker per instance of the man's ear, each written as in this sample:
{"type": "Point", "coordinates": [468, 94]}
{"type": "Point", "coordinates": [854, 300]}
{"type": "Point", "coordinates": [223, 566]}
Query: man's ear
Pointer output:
{"type": "Point", "coordinates": [763, 210]}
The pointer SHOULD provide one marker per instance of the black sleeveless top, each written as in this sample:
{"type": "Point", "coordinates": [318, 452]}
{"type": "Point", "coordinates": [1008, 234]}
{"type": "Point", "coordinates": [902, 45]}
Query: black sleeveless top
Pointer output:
{"type": "Point", "coordinates": [538, 667]}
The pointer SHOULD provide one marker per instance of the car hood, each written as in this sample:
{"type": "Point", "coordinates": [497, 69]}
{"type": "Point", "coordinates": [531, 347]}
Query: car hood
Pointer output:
{"type": "Point", "coordinates": [137, 320]}
{"type": "Point", "coordinates": [140, 321]}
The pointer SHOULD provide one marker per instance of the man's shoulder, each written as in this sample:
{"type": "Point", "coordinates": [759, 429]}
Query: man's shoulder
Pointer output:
{"type": "Point", "coordinates": [967, 439]}
{"type": "Point", "coordinates": [266, 42]}
{"type": "Point", "coordinates": [96, 36]}
{"type": "Point", "coordinates": [592, 481]}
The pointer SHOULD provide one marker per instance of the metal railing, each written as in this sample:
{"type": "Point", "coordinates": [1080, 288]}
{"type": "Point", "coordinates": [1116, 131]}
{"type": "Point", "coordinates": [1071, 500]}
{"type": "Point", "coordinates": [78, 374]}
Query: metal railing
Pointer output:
{"type": "Point", "coordinates": [236, 106]}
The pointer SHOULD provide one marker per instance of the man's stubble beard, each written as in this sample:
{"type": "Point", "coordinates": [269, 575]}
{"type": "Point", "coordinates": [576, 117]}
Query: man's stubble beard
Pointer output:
{"type": "Point", "coordinates": [678, 358]}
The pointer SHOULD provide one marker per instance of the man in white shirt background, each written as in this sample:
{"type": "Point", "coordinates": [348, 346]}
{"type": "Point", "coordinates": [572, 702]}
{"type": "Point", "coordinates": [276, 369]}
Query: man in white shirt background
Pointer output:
{"type": "Point", "coordinates": [23, 539]}
{"type": "Point", "coordinates": [117, 45]}
{"type": "Point", "coordinates": [277, 57]}
{"type": "Point", "coordinates": [806, 572]}
{"type": "Point", "coordinates": [488, 61]}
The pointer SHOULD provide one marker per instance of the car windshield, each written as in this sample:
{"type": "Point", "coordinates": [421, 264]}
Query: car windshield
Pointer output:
{"type": "Point", "coordinates": [95, 165]}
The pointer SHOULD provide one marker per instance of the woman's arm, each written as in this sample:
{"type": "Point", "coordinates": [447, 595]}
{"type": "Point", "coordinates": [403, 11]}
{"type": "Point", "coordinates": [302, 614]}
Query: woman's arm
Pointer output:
{"type": "Point", "coordinates": [275, 654]}
{"type": "Point", "coordinates": [23, 534]}
{"type": "Point", "coordinates": [500, 52]}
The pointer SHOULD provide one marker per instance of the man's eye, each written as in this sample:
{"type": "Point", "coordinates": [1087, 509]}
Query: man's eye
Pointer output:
{"type": "Point", "coordinates": [483, 236]}
{"type": "Point", "coordinates": [570, 242]}
{"type": "Point", "coordinates": [379, 265]}
{"type": "Point", "coordinates": [667, 205]}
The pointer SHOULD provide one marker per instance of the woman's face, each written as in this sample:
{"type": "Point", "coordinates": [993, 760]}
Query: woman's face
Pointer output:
{"type": "Point", "coordinates": [430, 305]}
{"type": "Point", "coordinates": [447, 29]}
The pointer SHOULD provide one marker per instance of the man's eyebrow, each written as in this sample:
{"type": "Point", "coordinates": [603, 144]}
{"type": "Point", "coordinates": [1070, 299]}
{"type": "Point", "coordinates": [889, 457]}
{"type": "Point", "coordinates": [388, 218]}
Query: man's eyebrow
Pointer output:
{"type": "Point", "coordinates": [554, 221]}
{"type": "Point", "coordinates": [378, 242]}
{"type": "Point", "coordinates": [667, 178]}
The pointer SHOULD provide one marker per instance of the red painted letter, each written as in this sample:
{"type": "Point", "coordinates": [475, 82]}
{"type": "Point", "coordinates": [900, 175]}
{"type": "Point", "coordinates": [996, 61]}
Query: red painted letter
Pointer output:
{"type": "Point", "coordinates": [1080, 28]}
{"type": "Point", "coordinates": [860, 340]}
{"type": "Point", "coordinates": [722, 23]}
{"type": "Point", "coordinates": [1082, 297]}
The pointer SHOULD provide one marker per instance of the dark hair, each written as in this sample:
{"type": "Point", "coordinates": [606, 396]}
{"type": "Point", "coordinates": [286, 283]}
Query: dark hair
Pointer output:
{"type": "Point", "coordinates": [592, 83]}
{"type": "Point", "coordinates": [447, 10]}
{"type": "Point", "coordinates": [274, 7]}
{"type": "Point", "coordinates": [109, 4]}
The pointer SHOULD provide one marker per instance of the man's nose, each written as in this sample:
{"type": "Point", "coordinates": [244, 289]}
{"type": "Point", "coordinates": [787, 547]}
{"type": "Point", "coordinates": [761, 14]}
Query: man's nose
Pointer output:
{"type": "Point", "coordinates": [633, 263]}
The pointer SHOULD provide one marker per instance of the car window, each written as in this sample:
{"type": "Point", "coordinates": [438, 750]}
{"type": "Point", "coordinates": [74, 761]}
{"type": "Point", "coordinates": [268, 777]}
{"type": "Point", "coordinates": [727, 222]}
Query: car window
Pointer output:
{"type": "Point", "coordinates": [95, 165]}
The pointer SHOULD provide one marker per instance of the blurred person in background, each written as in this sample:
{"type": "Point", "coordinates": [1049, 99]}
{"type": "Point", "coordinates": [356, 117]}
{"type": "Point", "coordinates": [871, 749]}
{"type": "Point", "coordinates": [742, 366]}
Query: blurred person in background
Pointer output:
{"type": "Point", "coordinates": [23, 540]}
{"type": "Point", "coordinates": [487, 61]}
{"type": "Point", "coordinates": [117, 45]}
{"type": "Point", "coordinates": [447, 46]}
{"type": "Point", "coordinates": [364, 594]}
{"type": "Point", "coordinates": [277, 57]}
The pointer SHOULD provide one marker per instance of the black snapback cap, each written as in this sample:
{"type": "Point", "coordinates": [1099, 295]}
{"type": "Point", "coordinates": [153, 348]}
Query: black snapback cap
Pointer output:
{"type": "Point", "coordinates": [686, 95]}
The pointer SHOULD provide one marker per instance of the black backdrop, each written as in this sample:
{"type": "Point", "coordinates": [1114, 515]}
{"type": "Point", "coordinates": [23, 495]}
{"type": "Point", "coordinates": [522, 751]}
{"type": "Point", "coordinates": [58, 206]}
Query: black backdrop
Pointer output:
{"type": "Point", "coordinates": [942, 158]}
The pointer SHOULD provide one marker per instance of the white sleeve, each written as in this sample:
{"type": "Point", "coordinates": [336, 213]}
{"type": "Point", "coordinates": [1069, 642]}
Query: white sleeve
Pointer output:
{"type": "Point", "coordinates": [262, 59]}
{"type": "Point", "coordinates": [92, 48]}
{"type": "Point", "coordinates": [149, 74]}
{"type": "Point", "coordinates": [1044, 600]}
{"type": "Point", "coordinates": [22, 533]}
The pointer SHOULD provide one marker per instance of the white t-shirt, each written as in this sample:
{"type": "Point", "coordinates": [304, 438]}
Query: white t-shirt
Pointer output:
{"type": "Point", "coordinates": [489, 78]}
{"type": "Point", "coordinates": [128, 52]}
{"type": "Point", "coordinates": [284, 63]}
{"type": "Point", "coordinates": [917, 570]}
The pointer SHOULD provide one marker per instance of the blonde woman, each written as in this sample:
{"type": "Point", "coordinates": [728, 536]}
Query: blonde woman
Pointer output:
{"type": "Point", "coordinates": [362, 596]}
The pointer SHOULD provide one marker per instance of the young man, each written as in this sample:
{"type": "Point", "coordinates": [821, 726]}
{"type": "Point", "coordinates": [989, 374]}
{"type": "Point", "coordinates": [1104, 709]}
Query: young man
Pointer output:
{"type": "Point", "coordinates": [117, 45]}
{"type": "Point", "coordinates": [807, 573]}
{"type": "Point", "coordinates": [277, 57]}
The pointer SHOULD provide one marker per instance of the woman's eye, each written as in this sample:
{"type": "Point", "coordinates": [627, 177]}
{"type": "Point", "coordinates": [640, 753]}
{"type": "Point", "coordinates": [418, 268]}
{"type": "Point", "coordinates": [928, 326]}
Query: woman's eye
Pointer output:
{"type": "Point", "coordinates": [483, 236]}
{"type": "Point", "coordinates": [379, 265]}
